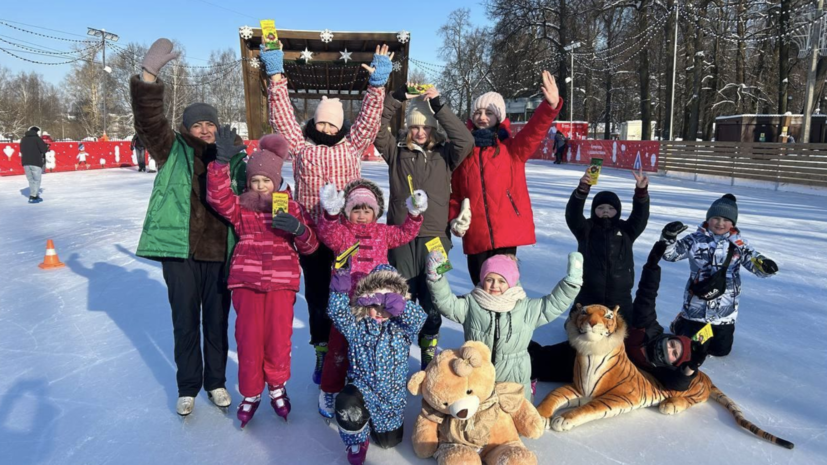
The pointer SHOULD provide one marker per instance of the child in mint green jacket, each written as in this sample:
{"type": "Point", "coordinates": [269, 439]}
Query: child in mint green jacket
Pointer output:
{"type": "Point", "coordinates": [498, 312]}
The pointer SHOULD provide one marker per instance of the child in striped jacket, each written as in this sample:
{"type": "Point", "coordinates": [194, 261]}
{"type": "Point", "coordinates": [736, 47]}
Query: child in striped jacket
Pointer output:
{"type": "Point", "coordinates": [264, 272]}
{"type": "Point", "coordinates": [329, 150]}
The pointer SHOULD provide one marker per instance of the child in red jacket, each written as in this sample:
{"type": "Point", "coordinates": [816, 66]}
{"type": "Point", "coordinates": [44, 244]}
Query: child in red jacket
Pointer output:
{"type": "Point", "coordinates": [363, 205]}
{"type": "Point", "coordinates": [264, 273]}
{"type": "Point", "coordinates": [490, 207]}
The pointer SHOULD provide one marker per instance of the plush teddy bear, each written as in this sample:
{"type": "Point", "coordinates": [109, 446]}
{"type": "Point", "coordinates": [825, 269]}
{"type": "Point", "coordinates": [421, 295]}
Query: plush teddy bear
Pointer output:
{"type": "Point", "coordinates": [468, 418]}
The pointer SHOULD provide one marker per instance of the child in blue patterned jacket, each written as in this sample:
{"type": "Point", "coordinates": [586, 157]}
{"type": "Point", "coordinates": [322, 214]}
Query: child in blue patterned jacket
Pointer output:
{"type": "Point", "coordinates": [716, 253]}
{"type": "Point", "coordinates": [379, 324]}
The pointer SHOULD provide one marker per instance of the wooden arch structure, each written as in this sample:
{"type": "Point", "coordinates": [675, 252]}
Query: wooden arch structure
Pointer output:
{"type": "Point", "coordinates": [325, 74]}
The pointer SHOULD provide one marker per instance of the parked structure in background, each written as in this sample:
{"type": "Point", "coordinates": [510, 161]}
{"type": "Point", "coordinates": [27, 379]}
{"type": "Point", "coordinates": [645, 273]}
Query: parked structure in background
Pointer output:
{"type": "Point", "coordinates": [767, 128]}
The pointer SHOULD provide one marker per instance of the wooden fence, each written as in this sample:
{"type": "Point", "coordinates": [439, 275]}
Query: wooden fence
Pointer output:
{"type": "Point", "coordinates": [804, 164]}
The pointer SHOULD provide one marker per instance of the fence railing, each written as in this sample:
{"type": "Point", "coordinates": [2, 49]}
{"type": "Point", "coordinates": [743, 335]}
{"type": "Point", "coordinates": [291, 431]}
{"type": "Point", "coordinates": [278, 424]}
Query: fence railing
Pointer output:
{"type": "Point", "coordinates": [804, 164]}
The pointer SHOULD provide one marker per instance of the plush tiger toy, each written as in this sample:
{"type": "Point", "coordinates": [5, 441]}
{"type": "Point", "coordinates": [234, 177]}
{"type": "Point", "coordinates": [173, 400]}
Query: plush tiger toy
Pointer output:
{"type": "Point", "coordinates": [607, 383]}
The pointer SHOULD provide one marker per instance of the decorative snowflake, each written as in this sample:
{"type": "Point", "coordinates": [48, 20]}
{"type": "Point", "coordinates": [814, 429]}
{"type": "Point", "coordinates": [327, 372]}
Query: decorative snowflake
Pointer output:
{"type": "Point", "coordinates": [246, 32]}
{"type": "Point", "coordinates": [346, 55]}
{"type": "Point", "coordinates": [403, 36]}
{"type": "Point", "coordinates": [397, 66]}
{"type": "Point", "coordinates": [255, 63]}
{"type": "Point", "coordinates": [306, 55]}
{"type": "Point", "coordinates": [326, 36]}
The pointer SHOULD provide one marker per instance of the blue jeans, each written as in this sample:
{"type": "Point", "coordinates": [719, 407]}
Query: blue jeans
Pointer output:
{"type": "Point", "coordinates": [33, 174]}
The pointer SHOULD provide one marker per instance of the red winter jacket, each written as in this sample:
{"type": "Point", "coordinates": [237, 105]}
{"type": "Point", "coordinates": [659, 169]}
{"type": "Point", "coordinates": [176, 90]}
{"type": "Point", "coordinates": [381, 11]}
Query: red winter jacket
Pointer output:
{"type": "Point", "coordinates": [375, 239]}
{"type": "Point", "coordinates": [265, 258]}
{"type": "Point", "coordinates": [493, 178]}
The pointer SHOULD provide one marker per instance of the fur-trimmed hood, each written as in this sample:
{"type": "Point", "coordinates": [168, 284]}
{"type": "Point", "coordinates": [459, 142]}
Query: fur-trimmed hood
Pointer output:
{"type": "Point", "coordinates": [386, 279]}
{"type": "Point", "coordinates": [373, 187]}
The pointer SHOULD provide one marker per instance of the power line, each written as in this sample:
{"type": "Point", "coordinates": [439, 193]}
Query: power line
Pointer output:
{"type": "Point", "coordinates": [227, 9]}
{"type": "Point", "coordinates": [43, 35]}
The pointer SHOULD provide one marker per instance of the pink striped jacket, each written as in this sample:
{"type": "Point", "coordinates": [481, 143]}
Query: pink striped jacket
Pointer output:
{"type": "Point", "coordinates": [375, 239]}
{"type": "Point", "coordinates": [264, 259]}
{"type": "Point", "coordinates": [317, 165]}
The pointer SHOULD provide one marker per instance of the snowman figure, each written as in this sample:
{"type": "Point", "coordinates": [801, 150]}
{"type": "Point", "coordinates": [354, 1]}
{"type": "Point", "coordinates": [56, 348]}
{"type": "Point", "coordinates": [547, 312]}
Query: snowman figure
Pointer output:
{"type": "Point", "coordinates": [51, 163]}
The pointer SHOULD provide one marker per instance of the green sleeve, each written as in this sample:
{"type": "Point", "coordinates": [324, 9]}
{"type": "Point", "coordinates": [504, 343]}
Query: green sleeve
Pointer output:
{"type": "Point", "coordinates": [542, 311]}
{"type": "Point", "coordinates": [450, 306]}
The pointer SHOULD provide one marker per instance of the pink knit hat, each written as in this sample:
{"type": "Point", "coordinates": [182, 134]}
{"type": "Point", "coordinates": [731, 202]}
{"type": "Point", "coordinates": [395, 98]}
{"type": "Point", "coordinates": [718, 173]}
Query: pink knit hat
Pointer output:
{"type": "Point", "coordinates": [362, 196]}
{"type": "Point", "coordinates": [502, 265]}
{"type": "Point", "coordinates": [330, 111]}
{"type": "Point", "coordinates": [490, 101]}
{"type": "Point", "coordinates": [268, 159]}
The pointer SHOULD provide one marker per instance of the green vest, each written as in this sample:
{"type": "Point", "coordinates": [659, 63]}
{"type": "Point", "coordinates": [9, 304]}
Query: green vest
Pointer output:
{"type": "Point", "coordinates": [166, 227]}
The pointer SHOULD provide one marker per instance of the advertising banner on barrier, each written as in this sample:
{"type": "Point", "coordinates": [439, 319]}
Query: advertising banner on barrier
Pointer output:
{"type": "Point", "coordinates": [70, 156]}
{"type": "Point", "coordinates": [624, 154]}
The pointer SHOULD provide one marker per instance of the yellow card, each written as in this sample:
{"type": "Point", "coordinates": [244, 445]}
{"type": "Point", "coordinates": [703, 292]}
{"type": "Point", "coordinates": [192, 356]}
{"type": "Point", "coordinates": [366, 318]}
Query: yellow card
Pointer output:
{"type": "Point", "coordinates": [704, 334]}
{"type": "Point", "coordinates": [341, 260]}
{"type": "Point", "coordinates": [410, 186]}
{"type": "Point", "coordinates": [436, 244]}
{"type": "Point", "coordinates": [280, 203]}
{"type": "Point", "coordinates": [594, 170]}
{"type": "Point", "coordinates": [269, 35]}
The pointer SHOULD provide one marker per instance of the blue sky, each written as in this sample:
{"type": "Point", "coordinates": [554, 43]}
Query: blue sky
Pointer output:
{"type": "Point", "coordinates": [204, 25]}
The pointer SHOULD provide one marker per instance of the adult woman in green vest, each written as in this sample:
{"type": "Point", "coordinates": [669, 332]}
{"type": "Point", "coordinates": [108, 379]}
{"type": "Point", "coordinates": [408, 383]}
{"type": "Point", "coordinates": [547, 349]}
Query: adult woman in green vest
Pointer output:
{"type": "Point", "coordinates": [192, 242]}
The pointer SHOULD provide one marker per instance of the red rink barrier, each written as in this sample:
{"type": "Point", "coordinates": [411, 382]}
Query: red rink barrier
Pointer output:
{"type": "Point", "coordinates": [63, 156]}
{"type": "Point", "coordinates": [623, 154]}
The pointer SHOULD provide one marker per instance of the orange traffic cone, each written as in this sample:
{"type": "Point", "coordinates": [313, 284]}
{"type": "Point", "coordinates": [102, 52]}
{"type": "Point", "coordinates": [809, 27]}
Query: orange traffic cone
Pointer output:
{"type": "Point", "coordinates": [51, 260]}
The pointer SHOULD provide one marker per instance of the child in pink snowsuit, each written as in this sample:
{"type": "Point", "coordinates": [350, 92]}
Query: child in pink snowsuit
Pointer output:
{"type": "Point", "coordinates": [363, 204]}
{"type": "Point", "coordinates": [264, 273]}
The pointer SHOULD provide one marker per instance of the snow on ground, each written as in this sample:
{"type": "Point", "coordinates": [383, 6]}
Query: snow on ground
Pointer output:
{"type": "Point", "coordinates": [86, 351]}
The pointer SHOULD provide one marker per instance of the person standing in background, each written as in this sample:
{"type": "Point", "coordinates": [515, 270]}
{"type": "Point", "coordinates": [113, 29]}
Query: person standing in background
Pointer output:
{"type": "Point", "coordinates": [140, 152]}
{"type": "Point", "coordinates": [33, 156]}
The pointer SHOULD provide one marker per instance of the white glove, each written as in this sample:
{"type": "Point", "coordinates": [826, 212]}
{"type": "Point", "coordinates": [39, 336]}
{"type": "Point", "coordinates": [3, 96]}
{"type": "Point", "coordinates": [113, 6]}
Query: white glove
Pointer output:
{"type": "Point", "coordinates": [575, 269]}
{"type": "Point", "coordinates": [421, 203]}
{"type": "Point", "coordinates": [460, 224]}
{"type": "Point", "coordinates": [332, 200]}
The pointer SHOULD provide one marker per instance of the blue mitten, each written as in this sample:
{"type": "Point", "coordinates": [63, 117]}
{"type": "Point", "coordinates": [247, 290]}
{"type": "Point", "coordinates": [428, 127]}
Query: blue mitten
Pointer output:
{"type": "Point", "coordinates": [273, 61]}
{"type": "Point", "coordinates": [382, 70]}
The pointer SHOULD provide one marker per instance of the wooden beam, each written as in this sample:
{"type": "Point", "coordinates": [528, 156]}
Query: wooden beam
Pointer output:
{"type": "Point", "coordinates": [306, 95]}
{"type": "Point", "coordinates": [362, 57]}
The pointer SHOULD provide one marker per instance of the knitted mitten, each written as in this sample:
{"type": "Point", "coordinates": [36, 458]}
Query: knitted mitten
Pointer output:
{"type": "Point", "coordinates": [382, 70]}
{"type": "Point", "coordinates": [273, 61]}
{"type": "Point", "coordinates": [575, 269]}
{"type": "Point", "coordinates": [159, 54]}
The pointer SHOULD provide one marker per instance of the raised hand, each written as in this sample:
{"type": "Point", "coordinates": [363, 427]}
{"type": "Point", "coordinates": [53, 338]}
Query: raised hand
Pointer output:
{"type": "Point", "coordinates": [460, 224]}
{"type": "Point", "coordinates": [418, 203]}
{"type": "Point", "coordinates": [641, 181]}
{"type": "Point", "coordinates": [273, 61]}
{"type": "Point", "coordinates": [381, 66]}
{"type": "Point", "coordinates": [158, 55]}
{"type": "Point", "coordinates": [225, 144]}
{"type": "Point", "coordinates": [670, 231]}
{"type": "Point", "coordinates": [435, 259]}
{"type": "Point", "coordinates": [574, 269]}
{"type": "Point", "coordinates": [550, 90]}
{"type": "Point", "coordinates": [332, 200]}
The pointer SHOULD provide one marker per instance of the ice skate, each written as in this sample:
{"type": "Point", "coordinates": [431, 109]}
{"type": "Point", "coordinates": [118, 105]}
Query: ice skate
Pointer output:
{"type": "Point", "coordinates": [327, 405]}
{"type": "Point", "coordinates": [220, 397]}
{"type": "Point", "coordinates": [427, 349]}
{"type": "Point", "coordinates": [321, 352]}
{"type": "Point", "coordinates": [247, 408]}
{"type": "Point", "coordinates": [356, 454]}
{"type": "Point", "coordinates": [280, 401]}
{"type": "Point", "coordinates": [185, 405]}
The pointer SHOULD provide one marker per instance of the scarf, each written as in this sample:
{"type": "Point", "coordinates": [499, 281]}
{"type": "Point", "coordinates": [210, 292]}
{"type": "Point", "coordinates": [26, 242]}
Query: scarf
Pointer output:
{"type": "Point", "coordinates": [254, 201]}
{"type": "Point", "coordinates": [320, 138]}
{"type": "Point", "coordinates": [489, 137]}
{"type": "Point", "coordinates": [499, 303]}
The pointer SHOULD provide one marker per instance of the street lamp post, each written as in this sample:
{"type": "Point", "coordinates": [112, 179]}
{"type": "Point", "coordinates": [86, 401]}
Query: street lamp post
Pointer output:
{"type": "Point", "coordinates": [571, 48]}
{"type": "Point", "coordinates": [104, 37]}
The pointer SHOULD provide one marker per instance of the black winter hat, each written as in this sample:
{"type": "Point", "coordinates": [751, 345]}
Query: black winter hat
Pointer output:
{"type": "Point", "coordinates": [725, 207]}
{"type": "Point", "coordinates": [199, 112]}
{"type": "Point", "coordinates": [606, 197]}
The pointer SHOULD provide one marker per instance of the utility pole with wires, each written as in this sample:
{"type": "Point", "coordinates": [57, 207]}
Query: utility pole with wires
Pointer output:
{"type": "Point", "coordinates": [104, 37]}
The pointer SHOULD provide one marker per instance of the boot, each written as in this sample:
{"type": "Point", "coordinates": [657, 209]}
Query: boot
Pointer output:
{"type": "Point", "coordinates": [327, 405]}
{"type": "Point", "coordinates": [321, 351]}
{"type": "Point", "coordinates": [427, 348]}
{"type": "Point", "coordinates": [220, 397]}
{"type": "Point", "coordinates": [185, 405]}
{"type": "Point", "coordinates": [357, 454]}
{"type": "Point", "coordinates": [280, 401]}
{"type": "Point", "coordinates": [247, 408]}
